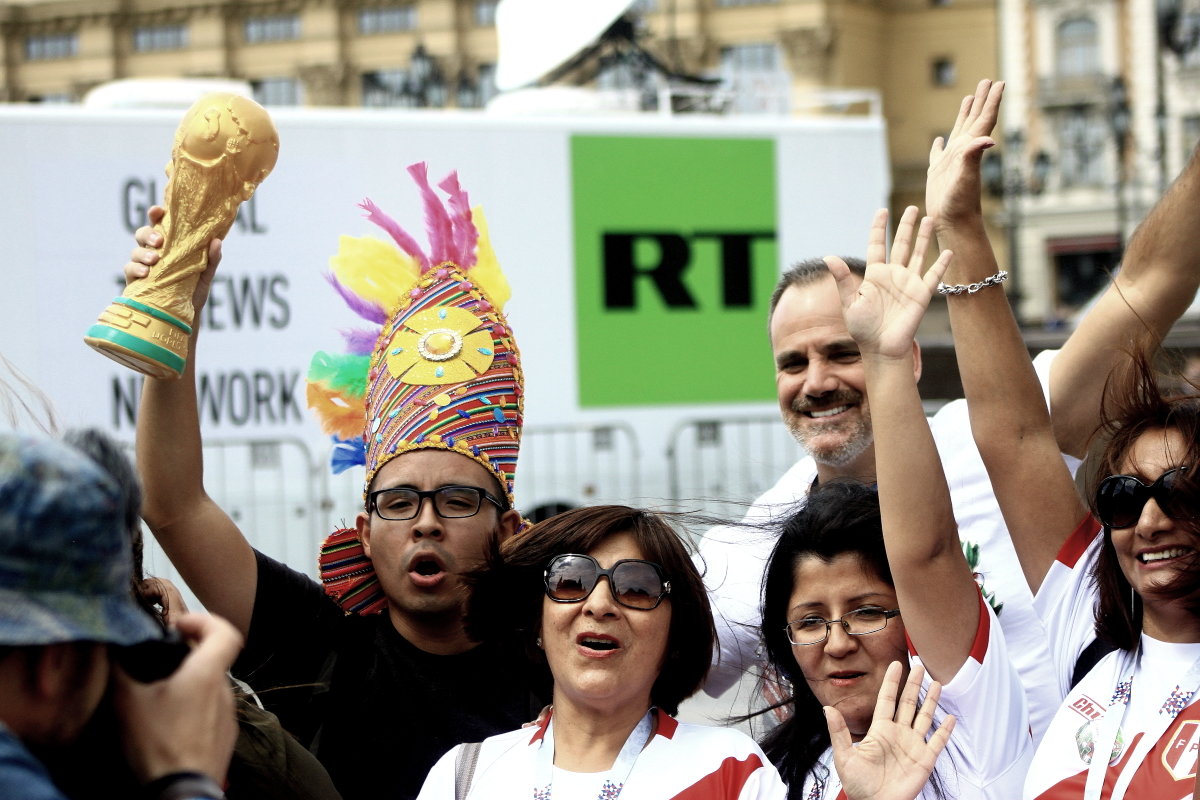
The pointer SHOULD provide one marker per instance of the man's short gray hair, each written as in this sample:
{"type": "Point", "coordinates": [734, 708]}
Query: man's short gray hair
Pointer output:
{"type": "Point", "coordinates": [807, 271]}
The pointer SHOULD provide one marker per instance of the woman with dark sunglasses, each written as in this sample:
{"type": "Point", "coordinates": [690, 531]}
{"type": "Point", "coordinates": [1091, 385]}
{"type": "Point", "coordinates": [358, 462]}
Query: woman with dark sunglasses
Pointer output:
{"type": "Point", "coordinates": [1128, 726]}
{"type": "Point", "coordinates": [606, 599]}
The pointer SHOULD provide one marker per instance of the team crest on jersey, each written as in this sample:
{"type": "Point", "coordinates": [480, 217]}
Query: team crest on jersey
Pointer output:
{"type": "Point", "coordinates": [1180, 756]}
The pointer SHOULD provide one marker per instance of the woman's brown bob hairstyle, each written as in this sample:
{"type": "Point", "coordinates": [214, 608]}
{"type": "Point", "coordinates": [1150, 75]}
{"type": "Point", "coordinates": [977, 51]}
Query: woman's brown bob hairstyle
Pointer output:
{"type": "Point", "coordinates": [507, 595]}
{"type": "Point", "coordinates": [1135, 405]}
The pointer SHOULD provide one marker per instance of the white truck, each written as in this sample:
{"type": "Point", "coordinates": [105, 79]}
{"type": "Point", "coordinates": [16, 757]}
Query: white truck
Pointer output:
{"type": "Point", "coordinates": [641, 250]}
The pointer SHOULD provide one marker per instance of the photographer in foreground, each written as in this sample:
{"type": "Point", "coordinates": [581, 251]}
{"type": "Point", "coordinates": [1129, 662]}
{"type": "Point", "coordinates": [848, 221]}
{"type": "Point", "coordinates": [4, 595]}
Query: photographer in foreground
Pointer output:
{"type": "Point", "coordinates": [69, 630]}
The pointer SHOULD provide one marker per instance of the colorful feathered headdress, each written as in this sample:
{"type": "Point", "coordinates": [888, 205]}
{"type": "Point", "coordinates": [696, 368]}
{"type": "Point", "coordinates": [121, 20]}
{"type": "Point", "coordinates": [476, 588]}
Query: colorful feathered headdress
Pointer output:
{"type": "Point", "coordinates": [438, 369]}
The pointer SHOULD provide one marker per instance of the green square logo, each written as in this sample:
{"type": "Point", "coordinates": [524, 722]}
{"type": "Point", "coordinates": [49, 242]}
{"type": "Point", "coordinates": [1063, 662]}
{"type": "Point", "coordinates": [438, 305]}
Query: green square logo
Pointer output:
{"type": "Point", "coordinates": [675, 259]}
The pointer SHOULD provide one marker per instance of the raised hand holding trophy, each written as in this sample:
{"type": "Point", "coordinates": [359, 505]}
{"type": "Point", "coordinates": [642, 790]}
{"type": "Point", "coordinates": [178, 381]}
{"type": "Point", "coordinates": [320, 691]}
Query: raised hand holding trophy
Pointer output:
{"type": "Point", "coordinates": [224, 148]}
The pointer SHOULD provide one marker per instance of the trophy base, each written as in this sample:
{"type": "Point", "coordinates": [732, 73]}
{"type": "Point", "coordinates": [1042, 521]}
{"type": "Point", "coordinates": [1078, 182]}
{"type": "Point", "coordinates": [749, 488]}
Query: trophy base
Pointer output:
{"type": "Point", "coordinates": [141, 337]}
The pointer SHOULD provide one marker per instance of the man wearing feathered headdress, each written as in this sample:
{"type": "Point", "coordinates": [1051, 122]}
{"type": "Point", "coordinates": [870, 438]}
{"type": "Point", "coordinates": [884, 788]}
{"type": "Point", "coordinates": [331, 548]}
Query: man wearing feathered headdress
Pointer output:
{"type": "Point", "coordinates": [372, 668]}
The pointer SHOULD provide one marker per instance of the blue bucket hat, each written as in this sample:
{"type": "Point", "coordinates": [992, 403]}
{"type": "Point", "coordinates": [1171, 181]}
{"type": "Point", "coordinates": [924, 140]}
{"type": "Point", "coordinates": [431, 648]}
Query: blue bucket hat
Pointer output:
{"type": "Point", "coordinates": [65, 562]}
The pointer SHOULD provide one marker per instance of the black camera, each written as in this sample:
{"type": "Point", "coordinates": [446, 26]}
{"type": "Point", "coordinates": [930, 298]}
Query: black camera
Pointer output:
{"type": "Point", "coordinates": [153, 660]}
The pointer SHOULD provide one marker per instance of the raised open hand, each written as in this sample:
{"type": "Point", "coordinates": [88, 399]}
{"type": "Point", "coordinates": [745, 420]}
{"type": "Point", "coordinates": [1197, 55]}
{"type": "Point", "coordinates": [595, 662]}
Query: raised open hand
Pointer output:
{"type": "Point", "coordinates": [893, 761]}
{"type": "Point", "coordinates": [952, 187]}
{"type": "Point", "coordinates": [882, 311]}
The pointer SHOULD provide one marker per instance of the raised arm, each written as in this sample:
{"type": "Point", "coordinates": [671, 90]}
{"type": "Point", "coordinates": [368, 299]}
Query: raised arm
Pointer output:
{"type": "Point", "coordinates": [201, 540]}
{"type": "Point", "coordinates": [1009, 418]}
{"type": "Point", "coordinates": [938, 597]}
{"type": "Point", "coordinates": [1158, 278]}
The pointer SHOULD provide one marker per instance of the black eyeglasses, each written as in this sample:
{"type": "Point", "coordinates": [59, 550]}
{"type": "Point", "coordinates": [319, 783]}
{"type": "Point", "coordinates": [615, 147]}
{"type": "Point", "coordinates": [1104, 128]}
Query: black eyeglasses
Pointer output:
{"type": "Point", "coordinates": [449, 502]}
{"type": "Point", "coordinates": [634, 583]}
{"type": "Point", "coordinates": [859, 622]}
{"type": "Point", "coordinates": [1121, 498]}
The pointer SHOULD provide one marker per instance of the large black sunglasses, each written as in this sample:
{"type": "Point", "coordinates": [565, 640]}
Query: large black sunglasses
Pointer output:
{"type": "Point", "coordinates": [634, 583]}
{"type": "Point", "coordinates": [1120, 498]}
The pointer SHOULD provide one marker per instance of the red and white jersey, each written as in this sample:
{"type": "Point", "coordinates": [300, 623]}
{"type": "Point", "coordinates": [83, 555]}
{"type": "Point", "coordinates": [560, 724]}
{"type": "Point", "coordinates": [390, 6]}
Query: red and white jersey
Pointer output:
{"type": "Point", "coordinates": [991, 747]}
{"type": "Point", "coordinates": [681, 762]}
{"type": "Point", "coordinates": [734, 559]}
{"type": "Point", "coordinates": [1146, 692]}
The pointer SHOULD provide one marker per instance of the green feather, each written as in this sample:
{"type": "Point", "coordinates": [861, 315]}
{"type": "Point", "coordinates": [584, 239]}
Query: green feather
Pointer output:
{"type": "Point", "coordinates": [343, 373]}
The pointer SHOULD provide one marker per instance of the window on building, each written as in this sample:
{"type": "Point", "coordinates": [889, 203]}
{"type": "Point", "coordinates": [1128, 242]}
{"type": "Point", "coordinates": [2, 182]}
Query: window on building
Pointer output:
{"type": "Point", "coordinates": [1082, 266]}
{"type": "Point", "coordinates": [1082, 136]}
{"type": "Point", "coordinates": [754, 57]}
{"type": "Point", "coordinates": [757, 78]}
{"type": "Point", "coordinates": [47, 46]}
{"type": "Point", "coordinates": [732, 3]}
{"type": "Point", "coordinates": [644, 6]}
{"type": "Point", "coordinates": [943, 72]}
{"type": "Point", "coordinates": [1077, 48]}
{"type": "Point", "coordinates": [385, 87]}
{"type": "Point", "coordinates": [151, 38]}
{"type": "Point", "coordinates": [485, 12]}
{"type": "Point", "coordinates": [281, 28]}
{"type": "Point", "coordinates": [277, 91]}
{"type": "Point", "coordinates": [52, 99]}
{"type": "Point", "coordinates": [387, 19]}
{"type": "Point", "coordinates": [1188, 31]}
{"type": "Point", "coordinates": [485, 75]}
{"type": "Point", "coordinates": [1191, 135]}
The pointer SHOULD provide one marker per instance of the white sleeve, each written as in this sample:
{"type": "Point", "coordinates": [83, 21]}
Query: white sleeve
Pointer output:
{"type": "Point", "coordinates": [1066, 600]}
{"type": "Point", "coordinates": [733, 560]}
{"type": "Point", "coordinates": [439, 783]}
{"type": "Point", "coordinates": [991, 743]}
{"type": "Point", "coordinates": [733, 580]}
{"type": "Point", "coordinates": [764, 784]}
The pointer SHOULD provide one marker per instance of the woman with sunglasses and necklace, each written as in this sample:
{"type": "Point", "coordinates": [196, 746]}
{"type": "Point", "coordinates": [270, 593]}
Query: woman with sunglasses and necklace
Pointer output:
{"type": "Point", "coordinates": [607, 599]}
{"type": "Point", "coordinates": [1129, 725]}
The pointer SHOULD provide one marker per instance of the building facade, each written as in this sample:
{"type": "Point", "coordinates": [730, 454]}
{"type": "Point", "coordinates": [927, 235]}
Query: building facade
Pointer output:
{"type": "Point", "coordinates": [911, 60]}
{"type": "Point", "coordinates": [1101, 111]}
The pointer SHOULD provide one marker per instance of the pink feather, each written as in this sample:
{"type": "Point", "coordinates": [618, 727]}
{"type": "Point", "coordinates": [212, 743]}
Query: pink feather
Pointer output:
{"type": "Point", "coordinates": [465, 234]}
{"type": "Point", "coordinates": [437, 221]}
{"type": "Point", "coordinates": [369, 311]}
{"type": "Point", "coordinates": [406, 242]}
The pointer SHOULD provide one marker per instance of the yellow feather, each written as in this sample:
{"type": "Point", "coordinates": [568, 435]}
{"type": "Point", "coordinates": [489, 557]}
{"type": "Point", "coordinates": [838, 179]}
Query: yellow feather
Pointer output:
{"type": "Point", "coordinates": [486, 273]}
{"type": "Point", "coordinates": [373, 269]}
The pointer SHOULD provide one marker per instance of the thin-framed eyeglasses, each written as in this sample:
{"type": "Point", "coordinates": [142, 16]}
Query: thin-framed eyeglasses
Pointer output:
{"type": "Point", "coordinates": [449, 502]}
{"type": "Point", "coordinates": [634, 583]}
{"type": "Point", "coordinates": [859, 622]}
{"type": "Point", "coordinates": [1121, 498]}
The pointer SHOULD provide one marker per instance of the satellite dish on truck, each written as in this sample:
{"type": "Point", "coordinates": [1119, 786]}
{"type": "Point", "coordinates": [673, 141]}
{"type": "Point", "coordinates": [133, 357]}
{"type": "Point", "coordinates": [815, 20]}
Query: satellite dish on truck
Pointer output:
{"type": "Point", "coordinates": [585, 56]}
{"type": "Point", "coordinates": [538, 36]}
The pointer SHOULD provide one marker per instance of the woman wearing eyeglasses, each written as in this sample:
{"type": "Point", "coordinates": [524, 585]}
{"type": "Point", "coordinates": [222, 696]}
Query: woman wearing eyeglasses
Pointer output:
{"type": "Point", "coordinates": [608, 601]}
{"type": "Point", "coordinates": [1128, 726]}
{"type": "Point", "coordinates": [859, 575]}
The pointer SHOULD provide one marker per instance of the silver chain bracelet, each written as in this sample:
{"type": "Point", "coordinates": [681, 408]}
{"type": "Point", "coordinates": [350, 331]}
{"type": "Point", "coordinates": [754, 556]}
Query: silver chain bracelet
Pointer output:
{"type": "Point", "coordinates": [971, 288]}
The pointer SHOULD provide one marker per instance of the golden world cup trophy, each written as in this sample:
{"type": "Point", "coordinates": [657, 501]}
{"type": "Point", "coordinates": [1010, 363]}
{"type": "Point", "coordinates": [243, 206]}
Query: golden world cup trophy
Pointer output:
{"type": "Point", "coordinates": [225, 146]}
